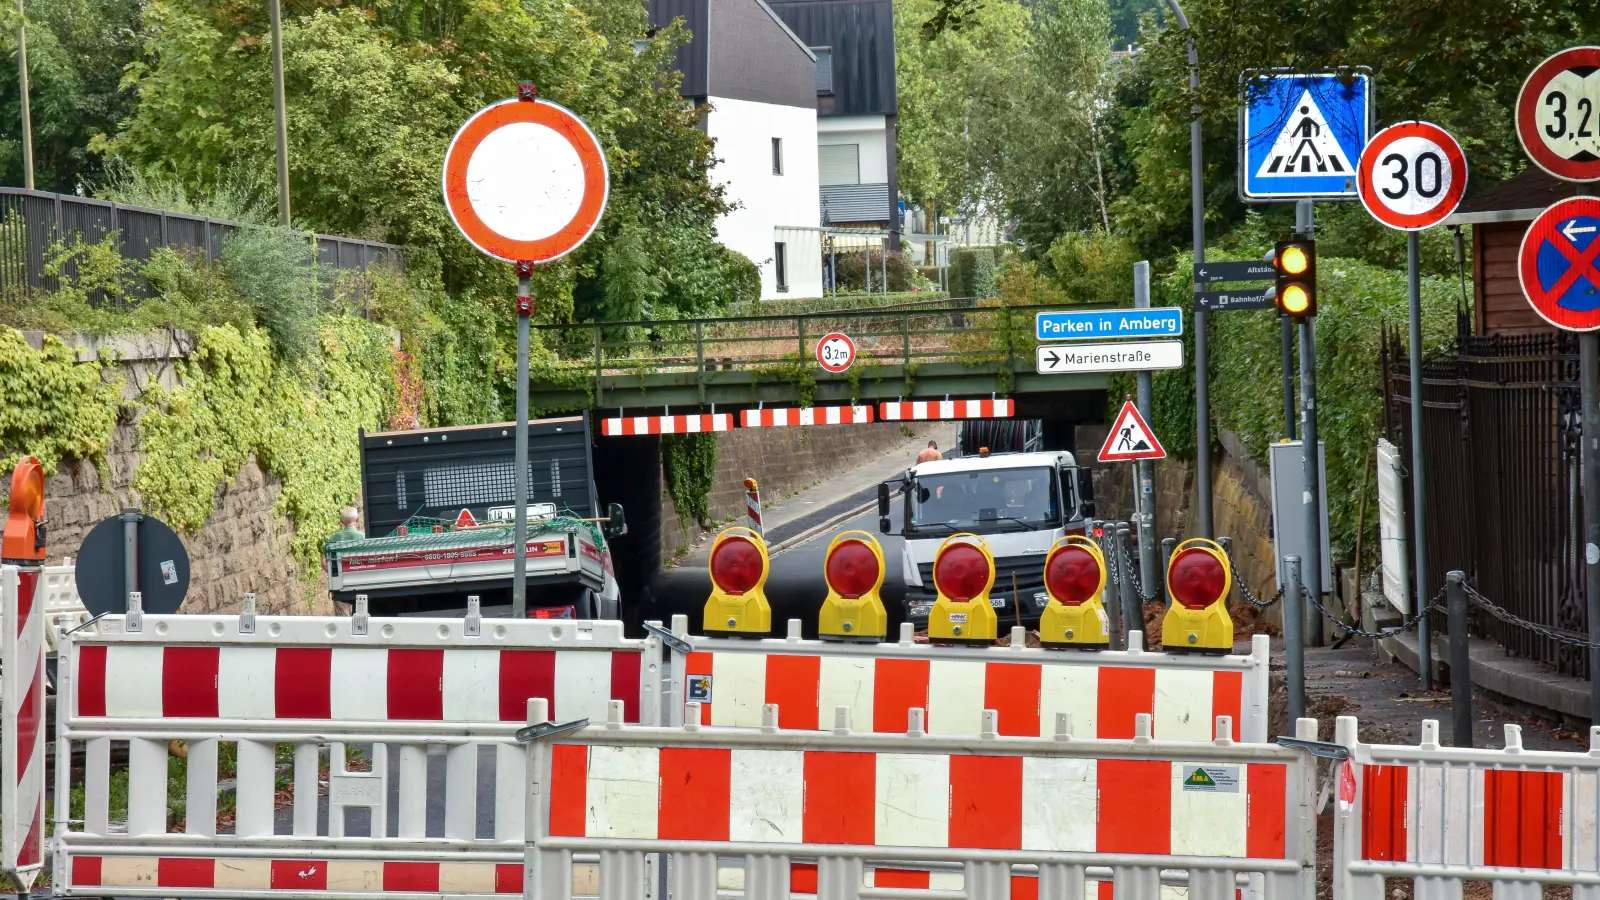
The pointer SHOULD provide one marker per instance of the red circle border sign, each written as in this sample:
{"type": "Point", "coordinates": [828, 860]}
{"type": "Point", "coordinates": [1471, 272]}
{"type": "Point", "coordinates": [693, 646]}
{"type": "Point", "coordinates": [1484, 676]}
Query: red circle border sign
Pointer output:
{"type": "Point", "coordinates": [835, 336]}
{"type": "Point", "coordinates": [1527, 115]}
{"type": "Point", "coordinates": [1543, 226]}
{"type": "Point", "coordinates": [596, 180]}
{"type": "Point", "coordinates": [1454, 157]}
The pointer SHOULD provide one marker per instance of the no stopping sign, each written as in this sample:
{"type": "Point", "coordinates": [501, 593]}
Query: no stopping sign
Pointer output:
{"type": "Point", "coordinates": [836, 352]}
{"type": "Point", "coordinates": [1412, 176]}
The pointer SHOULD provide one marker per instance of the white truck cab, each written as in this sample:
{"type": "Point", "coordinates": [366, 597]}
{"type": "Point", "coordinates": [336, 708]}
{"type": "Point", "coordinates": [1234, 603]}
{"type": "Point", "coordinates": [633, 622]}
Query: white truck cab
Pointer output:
{"type": "Point", "coordinates": [1019, 503]}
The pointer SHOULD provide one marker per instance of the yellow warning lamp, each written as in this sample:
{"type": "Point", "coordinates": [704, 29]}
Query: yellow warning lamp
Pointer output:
{"type": "Point", "coordinates": [963, 573]}
{"type": "Point", "coordinates": [1075, 579]}
{"type": "Point", "coordinates": [1296, 264]}
{"type": "Point", "coordinates": [854, 571]}
{"type": "Point", "coordinates": [1199, 581]}
{"type": "Point", "coordinates": [738, 603]}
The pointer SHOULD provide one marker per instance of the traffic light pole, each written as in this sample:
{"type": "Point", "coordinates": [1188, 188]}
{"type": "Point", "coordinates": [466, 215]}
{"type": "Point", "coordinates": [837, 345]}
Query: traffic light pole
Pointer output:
{"type": "Point", "coordinates": [1309, 457]}
{"type": "Point", "coordinates": [1288, 377]}
{"type": "Point", "coordinates": [1419, 514]}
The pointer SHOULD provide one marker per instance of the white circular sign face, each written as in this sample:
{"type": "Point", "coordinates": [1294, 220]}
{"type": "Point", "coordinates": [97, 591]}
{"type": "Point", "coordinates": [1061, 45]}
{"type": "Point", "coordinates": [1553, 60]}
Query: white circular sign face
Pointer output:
{"type": "Point", "coordinates": [1412, 175]}
{"type": "Point", "coordinates": [1558, 114]}
{"type": "Point", "coordinates": [835, 352]}
{"type": "Point", "coordinates": [525, 181]}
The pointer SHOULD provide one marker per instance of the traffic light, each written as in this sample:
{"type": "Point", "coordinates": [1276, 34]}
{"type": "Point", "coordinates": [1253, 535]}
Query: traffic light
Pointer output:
{"type": "Point", "coordinates": [854, 572]}
{"type": "Point", "coordinates": [738, 602]}
{"type": "Point", "coordinates": [963, 573]}
{"type": "Point", "coordinates": [1075, 579]}
{"type": "Point", "coordinates": [1296, 264]}
{"type": "Point", "coordinates": [1199, 579]}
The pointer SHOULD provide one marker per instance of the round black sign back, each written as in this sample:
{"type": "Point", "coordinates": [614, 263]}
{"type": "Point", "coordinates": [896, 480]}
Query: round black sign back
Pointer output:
{"type": "Point", "coordinates": [163, 568]}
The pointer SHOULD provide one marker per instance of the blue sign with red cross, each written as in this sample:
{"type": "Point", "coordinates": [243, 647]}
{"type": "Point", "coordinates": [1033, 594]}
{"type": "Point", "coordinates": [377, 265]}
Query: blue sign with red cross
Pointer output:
{"type": "Point", "coordinates": [1559, 264]}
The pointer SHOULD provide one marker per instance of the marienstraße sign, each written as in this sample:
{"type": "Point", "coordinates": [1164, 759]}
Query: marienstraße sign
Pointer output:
{"type": "Point", "coordinates": [1138, 356]}
{"type": "Point", "coordinates": [1109, 324]}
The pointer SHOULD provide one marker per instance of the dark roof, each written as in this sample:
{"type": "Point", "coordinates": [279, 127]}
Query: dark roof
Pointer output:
{"type": "Point", "coordinates": [740, 50]}
{"type": "Point", "coordinates": [861, 35]}
{"type": "Point", "coordinates": [1518, 199]}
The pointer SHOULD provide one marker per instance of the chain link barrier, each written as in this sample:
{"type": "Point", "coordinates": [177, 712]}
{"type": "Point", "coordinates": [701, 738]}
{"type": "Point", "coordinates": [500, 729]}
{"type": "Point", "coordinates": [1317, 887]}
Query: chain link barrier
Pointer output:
{"type": "Point", "coordinates": [1406, 624]}
{"type": "Point", "coordinates": [1123, 560]}
{"type": "Point", "coordinates": [1244, 589]}
{"type": "Point", "coordinates": [1499, 612]}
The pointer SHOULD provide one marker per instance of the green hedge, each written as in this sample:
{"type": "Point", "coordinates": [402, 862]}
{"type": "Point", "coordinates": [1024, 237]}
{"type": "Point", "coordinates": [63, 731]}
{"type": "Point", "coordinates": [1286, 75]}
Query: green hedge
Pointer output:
{"type": "Point", "coordinates": [1354, 301]}
{"type": "Point", "coordinates": [972, 272]}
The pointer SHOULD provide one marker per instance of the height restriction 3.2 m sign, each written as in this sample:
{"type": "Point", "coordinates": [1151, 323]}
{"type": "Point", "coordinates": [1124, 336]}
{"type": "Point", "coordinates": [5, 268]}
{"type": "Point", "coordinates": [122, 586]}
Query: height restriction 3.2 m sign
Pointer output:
{"type": "Point", "coordinates": [1412, 176]}
{"type": "Point", "coordinates": [1559, 264]}
{"type": "Point", "coordinates": [1558, 115]}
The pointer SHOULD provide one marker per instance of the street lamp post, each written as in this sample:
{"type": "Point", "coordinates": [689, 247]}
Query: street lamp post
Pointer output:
{"type": "Point", "coordinates": [1202, 381]}
{"type": "Point", "coordinates": [279, 115]}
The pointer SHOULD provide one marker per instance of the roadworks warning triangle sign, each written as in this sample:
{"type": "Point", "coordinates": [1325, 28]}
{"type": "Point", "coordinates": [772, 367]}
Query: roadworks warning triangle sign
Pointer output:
{"type": "Point", "coordinates": [1305, 146]}
{"type": "Point", "coordinates": [465, 520]}
{"type": "Point", "coordinates": [1131, 438]}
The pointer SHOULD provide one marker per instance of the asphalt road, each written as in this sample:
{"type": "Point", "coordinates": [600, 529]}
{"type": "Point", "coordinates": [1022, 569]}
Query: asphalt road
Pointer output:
{"type": "Point", "coordinates": [795, 586]}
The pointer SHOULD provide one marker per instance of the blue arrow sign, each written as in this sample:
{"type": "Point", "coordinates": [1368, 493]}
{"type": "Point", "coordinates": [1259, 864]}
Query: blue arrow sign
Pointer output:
{"type": "Point", "coordinates": [1302, 135]}
{"type": "Point", "coordinates": [1100, 324]}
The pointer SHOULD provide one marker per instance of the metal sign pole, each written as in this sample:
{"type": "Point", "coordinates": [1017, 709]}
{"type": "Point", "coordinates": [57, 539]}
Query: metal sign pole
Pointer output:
{"type": "Point", "coordinates": [1589, 373]}
{"type": "Point", "coordinates": [1310, 457]}
{"type": "Point", "coordinates": [519, 556]}
{"type": "Point", "coordinates": [1419, 516]}
{"type": "Point", "coordinates": [1288, 378]}
{"type": "Point", "coordinates": [1144, 472]}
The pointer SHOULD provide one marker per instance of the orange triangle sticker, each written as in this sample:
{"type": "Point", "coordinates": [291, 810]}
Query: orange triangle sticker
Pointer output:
{"type": "Point", "coordinates": [1131, 439]}
{"type": "Point", "coordinates": [465, 520]}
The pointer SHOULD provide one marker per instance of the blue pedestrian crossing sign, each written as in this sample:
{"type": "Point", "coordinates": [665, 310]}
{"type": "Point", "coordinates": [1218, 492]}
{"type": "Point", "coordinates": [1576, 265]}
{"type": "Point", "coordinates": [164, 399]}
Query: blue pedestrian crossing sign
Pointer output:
{"type": "Point", "coordinates": [1301, 136]}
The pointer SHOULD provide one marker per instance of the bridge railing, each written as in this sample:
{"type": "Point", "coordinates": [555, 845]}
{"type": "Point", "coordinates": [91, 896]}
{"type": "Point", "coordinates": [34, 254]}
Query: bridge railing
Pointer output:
{"type": "Point", "coordinates": [985, 332]}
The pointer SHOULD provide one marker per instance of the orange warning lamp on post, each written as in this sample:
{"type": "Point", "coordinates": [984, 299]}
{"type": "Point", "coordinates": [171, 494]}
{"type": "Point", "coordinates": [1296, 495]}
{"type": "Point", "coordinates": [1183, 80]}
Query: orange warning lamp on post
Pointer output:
{"type": "Point", "coordinates": [738, 603]}
{"type": "Point", "coordinates": [1199, 579]}
{"type": "Point", "coordinates": [854, 608]}
{"type": "Point", "coordinates": [24, 531]}
{"type": "Point", "coordinates": [963, 573]}
{"type": "Point", "coordinates": [1075, 579]}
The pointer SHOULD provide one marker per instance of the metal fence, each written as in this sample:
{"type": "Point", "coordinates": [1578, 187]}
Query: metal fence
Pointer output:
{"type": "Point", "coordinates": [1500, 430]}
{"type": "Point", "coordinates": [33, 224]}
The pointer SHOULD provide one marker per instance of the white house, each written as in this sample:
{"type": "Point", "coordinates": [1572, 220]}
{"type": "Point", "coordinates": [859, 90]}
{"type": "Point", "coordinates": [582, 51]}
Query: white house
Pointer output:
{"type": "Point", "coordinates": [757, 80]}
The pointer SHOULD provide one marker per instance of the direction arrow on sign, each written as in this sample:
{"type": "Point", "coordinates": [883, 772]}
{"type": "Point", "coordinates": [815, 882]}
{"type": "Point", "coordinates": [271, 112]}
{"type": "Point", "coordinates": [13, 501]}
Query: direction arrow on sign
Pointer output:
{"type": "Point", "coordinates": [1557, 264]}
{"type": "Point", "coordinates": [1131, 438]}
{"type": "Point", "coordinates": [1222, 301]}
{"type": "Point", "coordinates": [1139, 356]}
{"type": "Point", "coordinates": [1412, 176]}
{"type": "Point", "coordinates": [1213, 272]}
{"type": "Point", "coordinates": [1556, 115]}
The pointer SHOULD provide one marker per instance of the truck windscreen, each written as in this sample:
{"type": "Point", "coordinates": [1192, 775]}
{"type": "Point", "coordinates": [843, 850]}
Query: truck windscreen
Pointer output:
{"type": "Point", "coordinates": [985, 501]}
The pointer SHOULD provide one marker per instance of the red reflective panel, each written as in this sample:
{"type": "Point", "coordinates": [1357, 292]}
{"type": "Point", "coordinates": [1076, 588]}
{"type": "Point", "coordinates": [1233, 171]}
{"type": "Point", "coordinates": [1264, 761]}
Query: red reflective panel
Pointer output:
{"type": "Point", "coordinates": [852, 569]}
{"type": "Point", "coordinates": [736, 565]}
{"type": "Point", "coordinates": [961, 572]}
{"type": "Point", "coordinates": [1196, 578]}
{"type": "Point", "coordinates": [1072, 574]}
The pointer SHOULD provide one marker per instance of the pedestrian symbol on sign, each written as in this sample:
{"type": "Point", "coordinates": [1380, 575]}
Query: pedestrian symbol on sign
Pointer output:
{"type": "Point", "coordinates": [1305, 146]}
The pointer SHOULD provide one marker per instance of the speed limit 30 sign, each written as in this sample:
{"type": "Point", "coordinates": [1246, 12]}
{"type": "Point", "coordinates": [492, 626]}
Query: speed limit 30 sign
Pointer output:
{"type": "Point", "coordinates": [1412, 176]}
{"type": "Point", "coordinates": [1558, 115]}
{"type": "Point", "coordinates": [836, 352]}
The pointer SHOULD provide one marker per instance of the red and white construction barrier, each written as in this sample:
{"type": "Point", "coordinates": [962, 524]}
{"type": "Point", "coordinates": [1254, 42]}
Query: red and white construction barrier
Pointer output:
{"type": "Point", "coordinates": [767, 794]}
{"type": "Point", "coordinates": [920, 410]}
{"type": "Point", "coordinates": [814, 415]}
{"type": "Point", "coordinates": [22, 730]}
{"type": "Point", "coordinates": [1445, 816]}
{"type": "Point", "coordinates": [696, 424]}
{"type": "Point", "coordinates": [1104, 693]}
{"type": "Point", "coordinates": [752, 505]}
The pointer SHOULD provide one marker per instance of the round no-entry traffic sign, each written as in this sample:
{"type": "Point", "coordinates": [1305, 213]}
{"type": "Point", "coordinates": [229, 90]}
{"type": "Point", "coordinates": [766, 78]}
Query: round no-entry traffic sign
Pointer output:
{"type": "Point", "coordinates": [1557, 264]}
{"type": "Point", "coordinates": [1558, 115]}
{"type": "Point", "coordinates": [1412, 175]}
{"type": "Point", "coordinates": [525, 180]}
{"type": "Point", "coordinates": [836, 352]}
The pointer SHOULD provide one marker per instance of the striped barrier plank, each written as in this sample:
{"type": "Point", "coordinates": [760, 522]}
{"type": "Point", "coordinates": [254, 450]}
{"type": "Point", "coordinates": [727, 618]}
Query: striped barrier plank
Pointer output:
{"type": "Point", "coordinates": [811, 415]}
{"type": "Point", "coordinates": [22, 723]}
{"type": "Point", "coordinates": [625, 426]}
{"type": "Point", "coordinates": [921, 410]}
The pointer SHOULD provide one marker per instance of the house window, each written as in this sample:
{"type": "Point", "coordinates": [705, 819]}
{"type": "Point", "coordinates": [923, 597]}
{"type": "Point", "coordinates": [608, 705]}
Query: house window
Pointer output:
{"type": "Point", "coordinates": [780, 263]}
{"type": "Point", "coordinates": [824, 69]}
{"type": "Point", "coordinates": [777, 156]}
{"type": "Point", "coordinates": [839, 163]}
